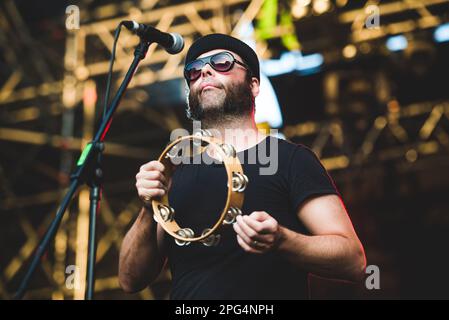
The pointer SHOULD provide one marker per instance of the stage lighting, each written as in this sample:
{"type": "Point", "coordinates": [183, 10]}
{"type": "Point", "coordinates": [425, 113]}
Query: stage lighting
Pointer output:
{"type": "Point", "coordinates": [300, 8]}
{"type": "Point", "coordinates": [292, 61]}
{"type": "Point", "coordinates": [441, 33]}
{"type": "Point", "coordinates": [349, 51]}
{"type": "Point", "coordinates": [397, 43]}
{"type": "Point", "coordinates": [321, 6]}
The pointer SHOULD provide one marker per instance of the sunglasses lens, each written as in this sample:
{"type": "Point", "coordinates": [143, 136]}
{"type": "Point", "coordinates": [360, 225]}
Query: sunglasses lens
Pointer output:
{"type": "Point", "coordinates": [222, 62]}
{"type": "Point", "coordinates": [193, 70]}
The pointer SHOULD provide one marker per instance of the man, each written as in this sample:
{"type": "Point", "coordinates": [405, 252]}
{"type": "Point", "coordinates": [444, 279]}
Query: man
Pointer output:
{"type": "Point", "coordinates": [293, 221]}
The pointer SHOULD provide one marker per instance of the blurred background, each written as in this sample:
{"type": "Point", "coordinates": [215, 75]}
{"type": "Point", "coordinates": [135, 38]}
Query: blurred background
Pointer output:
{"type": "Point", "coordinates": [362, 83]}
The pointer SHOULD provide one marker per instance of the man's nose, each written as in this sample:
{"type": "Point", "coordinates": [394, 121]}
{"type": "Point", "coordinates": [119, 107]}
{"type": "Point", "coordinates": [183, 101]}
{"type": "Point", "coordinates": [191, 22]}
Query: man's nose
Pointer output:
{"type": "Point", "coordinates": [207, 70]}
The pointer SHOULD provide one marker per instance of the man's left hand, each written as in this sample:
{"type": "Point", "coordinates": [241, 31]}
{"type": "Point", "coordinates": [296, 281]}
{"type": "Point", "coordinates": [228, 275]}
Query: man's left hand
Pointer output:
{"type": "Point", "coordinates": [258, 232]}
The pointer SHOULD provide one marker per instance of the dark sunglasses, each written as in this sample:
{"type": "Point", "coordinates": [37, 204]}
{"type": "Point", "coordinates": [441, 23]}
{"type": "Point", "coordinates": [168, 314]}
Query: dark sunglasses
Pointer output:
{"type": "Point", "coordinates": [221, 62]}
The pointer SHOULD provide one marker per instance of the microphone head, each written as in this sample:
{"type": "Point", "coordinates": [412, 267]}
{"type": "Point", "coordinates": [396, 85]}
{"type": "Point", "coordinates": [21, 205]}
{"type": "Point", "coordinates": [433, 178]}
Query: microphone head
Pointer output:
{"type": "Point", "coordinates": [130, 25]}
{"type": "Point", "coordinates": [178, 44]}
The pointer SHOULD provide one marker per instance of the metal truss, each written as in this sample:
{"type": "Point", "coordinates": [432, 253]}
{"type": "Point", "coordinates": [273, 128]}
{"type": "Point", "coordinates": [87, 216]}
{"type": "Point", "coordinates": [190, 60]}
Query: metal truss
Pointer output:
{"type": "Point", "coordinates": [59, 100]}
{"type": "Point", "coordinates": [189, 19]}
{"type": "Point", "coordinates": [421, 8]}
{"type": "Point", "coordinates": [357, 20]}
{"type": "Point", "coordinates": [402, 133]}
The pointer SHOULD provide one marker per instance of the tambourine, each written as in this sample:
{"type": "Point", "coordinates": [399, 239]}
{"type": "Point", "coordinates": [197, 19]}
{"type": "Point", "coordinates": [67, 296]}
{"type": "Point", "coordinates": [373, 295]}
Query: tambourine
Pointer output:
{"type": "Point", "coordinates": [237, 182]}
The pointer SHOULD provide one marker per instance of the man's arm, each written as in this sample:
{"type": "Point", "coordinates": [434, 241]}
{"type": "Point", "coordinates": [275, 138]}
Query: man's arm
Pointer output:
{"type": "Point", "coordinates": [142, 255]}
{"type": "Point", "coordinates": [332, 250]}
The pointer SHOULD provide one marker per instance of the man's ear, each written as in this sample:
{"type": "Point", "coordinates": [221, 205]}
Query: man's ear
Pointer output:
{"type": "Point", "coordinates": [255, 86]}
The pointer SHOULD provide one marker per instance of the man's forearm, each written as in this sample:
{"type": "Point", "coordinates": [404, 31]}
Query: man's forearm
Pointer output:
{"type": "Point", "coordinates": [331, 256]}
{"type": "Point", "coordinates": [140, 260]}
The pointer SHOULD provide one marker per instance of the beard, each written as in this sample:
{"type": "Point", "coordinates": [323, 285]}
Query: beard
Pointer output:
{"type": "Point", "coordinates": [220, 104]}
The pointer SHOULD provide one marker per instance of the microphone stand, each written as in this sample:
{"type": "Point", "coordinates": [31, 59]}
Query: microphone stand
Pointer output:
{"type": "Point", "coordinates": [88, 170]}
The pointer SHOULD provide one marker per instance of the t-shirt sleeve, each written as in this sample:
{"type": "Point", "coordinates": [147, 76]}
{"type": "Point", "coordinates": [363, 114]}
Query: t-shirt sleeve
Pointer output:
{"type": "Point", "coordinates": [307, 177]}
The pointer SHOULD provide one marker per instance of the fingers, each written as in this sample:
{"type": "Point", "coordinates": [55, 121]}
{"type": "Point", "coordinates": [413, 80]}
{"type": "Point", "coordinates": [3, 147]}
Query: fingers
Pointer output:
{"type": "Point", "coordinates": [247, 233]}
{"type": "Point", "coordinates": [151, 181]}
{"type": "Point", "coordinates": [241, 234]}
{"type": "Point", "coordinates": [153, 165]}
{"type": "Point", "coordinates": [151, 176]}
{"type": "Point", "coordinates": [147, 194]}
{"type": "Point", "coordinates": [265, 226]}
{"type": "Point", "coordinates": [256, 235]}
{"type": "Point", "coordinates": [260, 215]}
{"type": "Point", "coordinates": [246, 247]}
{"type": "Point", "coordinates": [250, 236]}
{"type": "Point", "coordinates": [250, 242]}
{"type": "Point", "coordinates": [150, 184]}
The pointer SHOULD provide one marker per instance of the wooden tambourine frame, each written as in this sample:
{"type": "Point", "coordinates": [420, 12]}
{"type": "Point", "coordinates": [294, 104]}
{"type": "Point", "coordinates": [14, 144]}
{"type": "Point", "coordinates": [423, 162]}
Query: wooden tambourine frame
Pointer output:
{"type": "Point", "coordinates": [237, 182]}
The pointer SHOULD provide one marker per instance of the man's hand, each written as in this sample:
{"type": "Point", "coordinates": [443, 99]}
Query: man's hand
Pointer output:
{"type": "Point", "coordinates": [151, 181]}
{"type": "Point", "coordinates": [258, 232]}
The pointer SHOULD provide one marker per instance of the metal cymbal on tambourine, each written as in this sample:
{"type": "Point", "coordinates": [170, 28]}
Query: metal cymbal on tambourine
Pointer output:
{"type": "Point", "coordinates": [237, 182]}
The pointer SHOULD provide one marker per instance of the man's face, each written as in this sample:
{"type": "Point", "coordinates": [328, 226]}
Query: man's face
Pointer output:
{"type": "Point", "coordinates": [215, 94]}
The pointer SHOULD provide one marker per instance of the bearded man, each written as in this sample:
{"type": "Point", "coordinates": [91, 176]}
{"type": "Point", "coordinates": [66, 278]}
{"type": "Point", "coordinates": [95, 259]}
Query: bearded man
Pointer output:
{"type": "Point", "coordinates": [294, 221]}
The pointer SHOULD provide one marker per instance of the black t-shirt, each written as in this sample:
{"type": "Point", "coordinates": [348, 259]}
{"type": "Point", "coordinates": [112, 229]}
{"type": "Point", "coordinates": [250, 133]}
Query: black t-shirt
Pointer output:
{"type": "Point", "coordinates": [226, 271]}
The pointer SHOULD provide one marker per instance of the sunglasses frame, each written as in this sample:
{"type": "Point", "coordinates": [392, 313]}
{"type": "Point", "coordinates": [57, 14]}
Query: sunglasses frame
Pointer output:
{"type": "Point", "coordinates": [208, 60]}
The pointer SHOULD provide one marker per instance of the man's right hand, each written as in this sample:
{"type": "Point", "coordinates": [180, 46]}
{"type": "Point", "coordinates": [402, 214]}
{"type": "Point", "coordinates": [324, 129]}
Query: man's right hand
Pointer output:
{"type": "Point", "coordinates": [151, 181]}
{"type": "Point", "coordinates": [142, 254]}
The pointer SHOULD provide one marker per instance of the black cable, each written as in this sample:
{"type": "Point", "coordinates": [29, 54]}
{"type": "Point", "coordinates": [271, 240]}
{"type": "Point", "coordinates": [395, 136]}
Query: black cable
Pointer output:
{"type": "Point", "coordinates": [111, 64]}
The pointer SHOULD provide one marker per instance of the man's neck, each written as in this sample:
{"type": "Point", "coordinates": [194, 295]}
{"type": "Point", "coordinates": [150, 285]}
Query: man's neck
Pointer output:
{"type": "Point", "coordinates": [242, 132]}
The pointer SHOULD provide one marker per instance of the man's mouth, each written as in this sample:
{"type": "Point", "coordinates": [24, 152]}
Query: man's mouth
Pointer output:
{"type": "Point", "coordinates": [208, 87]}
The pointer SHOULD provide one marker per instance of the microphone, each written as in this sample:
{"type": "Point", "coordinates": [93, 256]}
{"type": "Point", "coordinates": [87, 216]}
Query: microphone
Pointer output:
{"type": "Point", "coordinates": [173, 43]}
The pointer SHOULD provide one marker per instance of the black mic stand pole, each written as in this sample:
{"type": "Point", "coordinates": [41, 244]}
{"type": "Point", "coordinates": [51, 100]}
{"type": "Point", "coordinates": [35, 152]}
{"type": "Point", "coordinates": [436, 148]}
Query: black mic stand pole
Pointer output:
{"type": "Point", "coordinates": [88, 171]}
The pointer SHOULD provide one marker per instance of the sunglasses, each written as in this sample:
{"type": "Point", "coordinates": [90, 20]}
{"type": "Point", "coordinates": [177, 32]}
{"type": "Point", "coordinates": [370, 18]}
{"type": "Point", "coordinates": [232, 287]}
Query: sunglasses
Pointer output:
{"type": "Point", "coordinates": [221, 62]}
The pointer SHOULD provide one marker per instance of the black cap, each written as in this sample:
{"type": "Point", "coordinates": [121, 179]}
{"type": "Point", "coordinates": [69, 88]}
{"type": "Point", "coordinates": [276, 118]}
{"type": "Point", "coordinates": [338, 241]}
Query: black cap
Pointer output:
{"type": "Point", "coordinates": [222, 41]}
